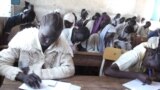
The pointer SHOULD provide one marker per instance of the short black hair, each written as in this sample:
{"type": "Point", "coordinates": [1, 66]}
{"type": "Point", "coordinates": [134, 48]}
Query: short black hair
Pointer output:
{"type": "Point", "coordinates": [54, 19]}
{"type": "Point", "coordinates": [82, 34]}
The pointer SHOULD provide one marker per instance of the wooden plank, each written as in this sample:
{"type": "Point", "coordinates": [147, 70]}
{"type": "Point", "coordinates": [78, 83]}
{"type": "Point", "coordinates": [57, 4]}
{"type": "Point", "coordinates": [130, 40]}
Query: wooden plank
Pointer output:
{"type": "Point", "coordinates": [87, 59]}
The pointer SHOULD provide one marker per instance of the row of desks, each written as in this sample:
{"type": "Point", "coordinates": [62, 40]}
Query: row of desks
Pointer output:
{"type": "Point", "coordinates": [86, 83]}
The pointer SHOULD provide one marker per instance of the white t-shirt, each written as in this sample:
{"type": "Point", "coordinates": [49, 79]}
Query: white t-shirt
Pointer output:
{"type": "Point", "coordinates": [132, 59]}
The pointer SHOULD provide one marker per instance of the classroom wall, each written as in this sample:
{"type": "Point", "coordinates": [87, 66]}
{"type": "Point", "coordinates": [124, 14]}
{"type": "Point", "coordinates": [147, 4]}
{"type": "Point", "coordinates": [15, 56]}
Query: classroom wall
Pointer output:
{"type": "Point", "coordinates": [125, 7]}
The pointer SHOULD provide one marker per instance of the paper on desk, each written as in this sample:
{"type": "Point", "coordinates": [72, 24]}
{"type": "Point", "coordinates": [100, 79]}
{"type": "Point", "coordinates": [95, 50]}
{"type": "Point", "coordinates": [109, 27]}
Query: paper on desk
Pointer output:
{"type": "Point", "coordinates": [45, 85]}
{"type": "Point", "coordinates": [138, 85]}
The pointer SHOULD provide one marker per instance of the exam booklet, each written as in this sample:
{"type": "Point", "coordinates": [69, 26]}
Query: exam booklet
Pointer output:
{"type": "Point", "coordinates": [138, 85]}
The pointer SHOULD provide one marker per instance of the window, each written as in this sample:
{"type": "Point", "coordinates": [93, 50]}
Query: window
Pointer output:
{"type": "Point", "coordinates": [5, 8]}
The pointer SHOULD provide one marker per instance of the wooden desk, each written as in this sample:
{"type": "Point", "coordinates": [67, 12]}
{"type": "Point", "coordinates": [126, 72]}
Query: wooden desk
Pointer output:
{"type": "Point", "coordinates": [87, 59]}
{"type": "Point", "coordinates": [87, 63]}
{"type": "Point", "coordinates": [86, 83]}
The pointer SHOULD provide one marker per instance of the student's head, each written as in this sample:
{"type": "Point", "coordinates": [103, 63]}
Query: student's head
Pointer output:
{"type": "Point", "coordinates": [96, 16]}
{"type": "Point", "coordinates": [134, 18]}
{"type": "Point", "coordinates": [128, 19]}
{"type": "Point", "coordinates": [151, 62]}
{"type": "Point", "coordinates": [132, 22]}
{"type": "Point", "coordinates": [129, 29]}
{"type": "Point", "coordinates": [84, 14]}
{"type": "Point", "coordinates": [142, 20]}
{"type": "Point", "coordinates": [118, 15]}
{"type": "Point", "coordinates": [28, 14]}
{"type": "Point", "coordinates": [50, 29]}
{"type": "Point", "coordinates": [121, 20]}
{"type": "Point", "coordinates": [79, 35]}
{"type": "Point", "coordinates": [147, 25]}
{"type": "Point", "coordinates": [69, 20]}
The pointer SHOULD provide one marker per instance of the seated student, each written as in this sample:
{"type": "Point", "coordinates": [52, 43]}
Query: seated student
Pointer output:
{"type": "Point", "coordinates": [144, 30]}
{"type": "Point", "coordinates": [84, 15]}
{"type": "Point", "coordinates": [13, 23]}
{"type": "Point", "coordinates": [69, 21]}
{"type": "Point", "coordinates": [131, 64]}
{"type": "Point", "coordinates": [100, 24]}
{"type": "Point", "coordinates": [90, 23]}
{"type": "Point", "coordinates": [41, 53]}
{"type": "Point", "coordinates": [124, 39]}
{"type": "Point", "coordinates": [92, 43]}
{"type": "Point", "coordinates": [26, 16]}
{"type": "Point", "coordinates": [155, 33]}
{"type": "Point", "coordinates": [106, 37]}
{"type": "Point", "coordinates": [120, 27]}
{"type": "Point", "coordinates": [76, 36]}
{"type": "Point", "coordinates": [116, 19]}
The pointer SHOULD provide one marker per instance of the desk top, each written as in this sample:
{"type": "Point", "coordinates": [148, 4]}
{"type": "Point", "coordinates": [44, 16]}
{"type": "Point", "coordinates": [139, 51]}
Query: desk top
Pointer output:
{"type": "Point", "coordinates": [86, 83]}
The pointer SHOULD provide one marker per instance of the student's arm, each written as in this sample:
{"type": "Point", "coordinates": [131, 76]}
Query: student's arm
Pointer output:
{"type": "Point", "coordinates": [7, 59]}
{"type": "Point", "coordinates": [120, 68]}
{"type": "Point", "coordinates": [115, 72]}
{"type": "Point", "coordinates": [64, 70]}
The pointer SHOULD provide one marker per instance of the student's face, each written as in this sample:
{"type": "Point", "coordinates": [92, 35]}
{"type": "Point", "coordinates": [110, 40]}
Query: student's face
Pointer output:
{"type": "Point", "coordinates": [84, 15]}
{"type": "Point", "coordinates": [48, 35]}
{"type": "Point", "coordinates": [151, 63]}
{"type": "Point", "coordinates": [67, 24]}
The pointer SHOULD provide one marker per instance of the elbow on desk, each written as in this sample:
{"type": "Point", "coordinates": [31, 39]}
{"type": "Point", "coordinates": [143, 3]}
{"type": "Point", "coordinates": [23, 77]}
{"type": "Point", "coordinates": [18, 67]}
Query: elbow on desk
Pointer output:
{"type": "Point", "coordinates": [110, 72]}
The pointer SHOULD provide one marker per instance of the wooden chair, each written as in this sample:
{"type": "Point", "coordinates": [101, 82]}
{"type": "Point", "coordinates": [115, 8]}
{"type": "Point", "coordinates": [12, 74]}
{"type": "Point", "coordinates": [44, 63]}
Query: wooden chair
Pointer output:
{"type": "Point", "coordinates": [112, 54]}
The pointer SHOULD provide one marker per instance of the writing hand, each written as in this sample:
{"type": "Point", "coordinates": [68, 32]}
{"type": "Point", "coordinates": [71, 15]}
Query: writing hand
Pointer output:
{"type": "Point", "coordinates": [32, 79]}
{"type": "Point", "coordinates": [144, 78]}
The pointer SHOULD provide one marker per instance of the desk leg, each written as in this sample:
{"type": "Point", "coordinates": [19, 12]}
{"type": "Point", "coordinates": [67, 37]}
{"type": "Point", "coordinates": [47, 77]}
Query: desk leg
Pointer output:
{"type": "Point", "coordinates": [1, 80]}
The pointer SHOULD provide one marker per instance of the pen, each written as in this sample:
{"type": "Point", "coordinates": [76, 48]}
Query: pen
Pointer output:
{"type": "Point", "coordinates": [149, 74]}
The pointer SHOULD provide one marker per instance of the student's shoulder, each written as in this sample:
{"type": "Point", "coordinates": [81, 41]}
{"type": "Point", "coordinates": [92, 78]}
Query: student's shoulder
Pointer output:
{"type": "Point", "coordinates": [62, 45]}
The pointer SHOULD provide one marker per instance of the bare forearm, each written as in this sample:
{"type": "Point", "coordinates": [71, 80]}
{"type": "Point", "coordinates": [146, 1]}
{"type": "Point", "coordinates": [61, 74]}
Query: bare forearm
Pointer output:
{"type": "Point", "coordinates": [122, 74]}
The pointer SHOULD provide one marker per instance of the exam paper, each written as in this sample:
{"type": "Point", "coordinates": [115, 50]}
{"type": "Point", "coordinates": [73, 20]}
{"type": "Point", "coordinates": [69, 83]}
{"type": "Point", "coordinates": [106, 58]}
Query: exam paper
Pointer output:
{"type": "Point", "coordinates": [49, 85]}
{"type": "Point", "coordinates": [138, 85]}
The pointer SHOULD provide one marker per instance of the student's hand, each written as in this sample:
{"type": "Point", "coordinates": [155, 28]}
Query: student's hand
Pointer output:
{"type": "Point", "coordinates": [32, 79]}
{"type": "Point", "coordinates": [144, 78]}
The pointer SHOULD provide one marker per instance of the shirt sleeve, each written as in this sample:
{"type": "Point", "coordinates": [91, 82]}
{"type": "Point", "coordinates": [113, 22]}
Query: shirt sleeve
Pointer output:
{"type": "Point", "coordinates": [7, 59]}
{"type": "Point", "coordinates": [127, 60]}
{"type": "Point", "coordinates": [64, 70]}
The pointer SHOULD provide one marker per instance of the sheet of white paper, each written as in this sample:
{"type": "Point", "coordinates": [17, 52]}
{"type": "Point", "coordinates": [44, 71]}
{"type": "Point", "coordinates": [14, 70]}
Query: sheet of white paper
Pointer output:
{"type": "Point", "coordinates": [138, 85]}
{"type": "Point", "coordinates": [75, 87]}
{"type": "Point", "coordinates": [49, 85]}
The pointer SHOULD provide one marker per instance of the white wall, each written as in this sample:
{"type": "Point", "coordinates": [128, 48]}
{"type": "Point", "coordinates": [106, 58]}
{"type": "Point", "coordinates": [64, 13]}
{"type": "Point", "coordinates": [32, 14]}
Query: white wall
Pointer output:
{"type": "Point", "coordinates": [125, 7]}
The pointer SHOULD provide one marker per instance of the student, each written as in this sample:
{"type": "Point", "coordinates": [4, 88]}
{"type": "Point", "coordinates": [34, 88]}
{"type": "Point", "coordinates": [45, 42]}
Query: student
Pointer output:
{"type": "Point", "coordinates": [155, 33]}
{"type": "Point", "coordinates": [124, 39]}
{"type": "Point", "coordinates": [26, 16]}
{"type": "Point", "coordinates": [103, 20]}
{"type": "Point", "coordinates": [69, 21]}
{"type": "Point", "coordinates": [76, 36]}
{"type": "Point", "coordinates": [84, 15]}
{"type": "Point", "coordinates": [41, 54]}
{"type": "Point", "coordinates": [106, 37]}
{"type": "Point", "coordinates": [90, 23]}
{"type": "Point", "coordinates": [144, 30]}
{"type": "Point", "coordinates": [131, 64]}
{"type": "Point", "coordinates": [116, 19]}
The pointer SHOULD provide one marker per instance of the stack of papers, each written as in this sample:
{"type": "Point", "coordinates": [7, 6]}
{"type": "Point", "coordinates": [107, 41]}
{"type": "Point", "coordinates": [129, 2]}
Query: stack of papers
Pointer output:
{"type": "Point", "coordinates": [138, 85]}
{"type": "Point", "coordinates": [52, 85]}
